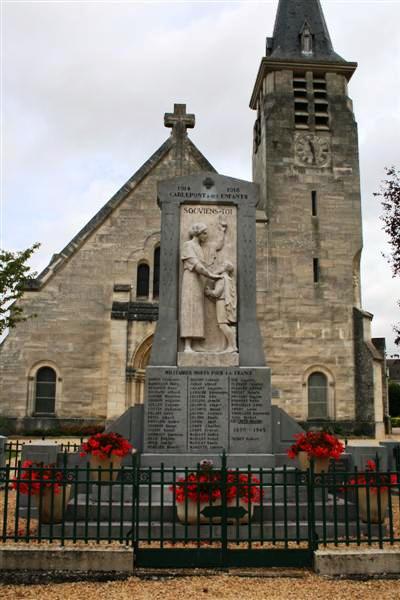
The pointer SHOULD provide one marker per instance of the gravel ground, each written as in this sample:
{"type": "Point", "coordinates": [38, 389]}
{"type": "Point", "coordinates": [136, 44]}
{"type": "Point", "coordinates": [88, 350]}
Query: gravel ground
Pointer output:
{"type": "Point", "coordinates": [304, 585]}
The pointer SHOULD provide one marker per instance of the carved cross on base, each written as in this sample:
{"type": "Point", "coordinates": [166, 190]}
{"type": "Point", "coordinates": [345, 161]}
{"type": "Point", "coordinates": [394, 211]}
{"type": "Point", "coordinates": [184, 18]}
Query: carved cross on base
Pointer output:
{"type": "Point", "coordinates": [179, 120]}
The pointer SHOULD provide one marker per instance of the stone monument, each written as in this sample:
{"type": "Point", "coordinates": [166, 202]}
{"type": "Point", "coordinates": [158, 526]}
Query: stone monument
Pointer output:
{"type": "Point", "coordinates": [207, 386]}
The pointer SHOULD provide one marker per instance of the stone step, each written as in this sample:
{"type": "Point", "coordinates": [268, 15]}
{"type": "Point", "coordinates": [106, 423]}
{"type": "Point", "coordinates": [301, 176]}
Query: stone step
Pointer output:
{"type": "Point", "coordinates": [176, 531]}
{"type": "Point", "coordinates": [152, 492]}
{"type": "Point", "coordinates": [191, 461]}
{"type": "Point", "coordinates": [116, 511]}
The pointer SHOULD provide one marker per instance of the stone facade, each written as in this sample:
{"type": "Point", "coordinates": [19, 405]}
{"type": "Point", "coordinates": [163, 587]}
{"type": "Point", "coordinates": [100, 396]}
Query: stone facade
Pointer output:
{"type": "Point", "coordinates": [305, 159]}
{"type": "Point", "coordinates": [308, 325]}
{"type": "Point", "coordinates": [95, 333]}
{"type": "Point", "coordinates": [99, 360]}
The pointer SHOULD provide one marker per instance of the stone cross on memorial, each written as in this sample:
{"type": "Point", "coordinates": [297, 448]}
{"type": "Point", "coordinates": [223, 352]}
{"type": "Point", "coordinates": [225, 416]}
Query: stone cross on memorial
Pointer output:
{"type": "Point", "coordinates": [179, 120]}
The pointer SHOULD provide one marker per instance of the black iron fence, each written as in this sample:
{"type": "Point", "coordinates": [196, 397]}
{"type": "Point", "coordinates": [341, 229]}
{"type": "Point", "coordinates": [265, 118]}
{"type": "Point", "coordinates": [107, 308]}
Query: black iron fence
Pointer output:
{"type": "Point", "coordinates": [199, 516]}
{"type": "Point", "coordinates": [396, 454]}
{"type": "Point", "coordinates": [13, 449]}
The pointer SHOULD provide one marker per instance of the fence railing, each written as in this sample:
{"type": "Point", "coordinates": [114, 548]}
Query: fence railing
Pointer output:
{"type": "Point", "coordinates": [396, 455]}
{"type": "Point", "coordinates": [13, 449]}
{"type": "Point", "coordinates": [168, 507]}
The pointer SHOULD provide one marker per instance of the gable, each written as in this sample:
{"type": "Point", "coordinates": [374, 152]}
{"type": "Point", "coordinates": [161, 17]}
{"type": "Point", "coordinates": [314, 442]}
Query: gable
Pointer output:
{"type": "Point", "coordinates": [58, 260]}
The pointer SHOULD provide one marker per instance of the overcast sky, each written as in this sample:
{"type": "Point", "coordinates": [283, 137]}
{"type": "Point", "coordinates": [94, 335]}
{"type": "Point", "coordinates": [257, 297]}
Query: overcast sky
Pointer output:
{"type": "Point", "coordinates": [85, 86]}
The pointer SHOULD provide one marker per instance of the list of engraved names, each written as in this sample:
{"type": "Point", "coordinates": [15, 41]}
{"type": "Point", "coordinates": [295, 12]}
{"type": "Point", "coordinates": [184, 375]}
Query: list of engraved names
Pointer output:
{"type": "Point", "coordinates": [207, 404]}
{"type": "Point", "coordinates": [197, 409]}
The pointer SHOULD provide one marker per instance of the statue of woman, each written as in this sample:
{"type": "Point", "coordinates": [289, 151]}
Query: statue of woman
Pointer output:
{"type": "Point", "coordinates": [192, 297]}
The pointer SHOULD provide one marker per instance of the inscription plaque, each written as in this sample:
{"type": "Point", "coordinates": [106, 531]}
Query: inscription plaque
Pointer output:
{"type": "Point", "coordinates": [250, 413]}
{"type": "Point", "coordinates": [166, 412]}
{"type": "Point", "coordinates": [208, 404]}
{"type": "Point", "coordinates": [207, 410]}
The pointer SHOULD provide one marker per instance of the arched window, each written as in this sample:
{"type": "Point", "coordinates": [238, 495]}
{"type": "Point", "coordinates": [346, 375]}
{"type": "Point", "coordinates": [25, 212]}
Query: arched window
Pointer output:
{"type": "Point", "coordinates": [317, 396]}
{"type": "Point", "coordinates": [156, 273]}
{"type": "Point", "coordinates": [140, 360]}
{"type": "Point", "coordinates": [142, 281]}
{"type": "Point", "coordinates": [45, 390]}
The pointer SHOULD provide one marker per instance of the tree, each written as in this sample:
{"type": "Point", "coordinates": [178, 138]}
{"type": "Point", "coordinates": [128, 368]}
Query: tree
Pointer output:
{"type": "Point", "coordinates": [394, 399]}
{"type": "Point", "coordinates": [14, 276]}
{"type": "Point", "coordinates": [390, 198]}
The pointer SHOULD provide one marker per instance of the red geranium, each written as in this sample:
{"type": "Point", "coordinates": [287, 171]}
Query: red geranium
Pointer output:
{"type": "Point", "coordinates": [206, 486]}
{"type": "Point", "coordinates": [35, 477]}
{"type": "Point", "coordinates": [317, 444]}
{"type": "Point", "coordinates": [105, 445]}
{"type": "Point", "coordinates": [247, 487]}
{"type": "Point", "coordinates": [371, 478]}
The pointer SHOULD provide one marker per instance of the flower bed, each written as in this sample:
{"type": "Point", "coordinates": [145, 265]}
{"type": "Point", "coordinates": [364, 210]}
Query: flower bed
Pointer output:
{"type": "Point", "coordinates": [106, 445]}
{"type": "Point", "coordinates": [47, 485]}
{"type": "Point", "coordinates": [372, 479]}
{"type": "Point", "coordinates": [208, 487]}
{"type": "Point", "coordinates": [36, 477]}
{"type": "Point", "coordinates": [317, 444]}
{"type": "Point", "coordinates": [372, 490]}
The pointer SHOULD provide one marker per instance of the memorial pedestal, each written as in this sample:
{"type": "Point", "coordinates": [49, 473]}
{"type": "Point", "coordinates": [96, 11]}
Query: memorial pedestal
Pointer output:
{"type": "Point", "coordinates": [203, 359]}
{"type": "Point", "coordinates": [233, 461]}
{"type": "Point", "coordinates": [202, 411]}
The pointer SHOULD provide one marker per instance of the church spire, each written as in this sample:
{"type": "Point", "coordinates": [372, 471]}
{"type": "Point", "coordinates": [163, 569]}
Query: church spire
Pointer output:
{"type": "Point", "coordinates": [300, 32]}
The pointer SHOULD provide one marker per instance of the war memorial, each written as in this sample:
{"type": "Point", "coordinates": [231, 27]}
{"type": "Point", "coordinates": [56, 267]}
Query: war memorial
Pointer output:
{"type": "Point", "coordinates": [207, 392]}
{"type": "Point", "coordinates": [206, 378]}
{"type": "Point", "coordinates": [211, 482]}
{"type": "Point", "coordinates": [294, 267]}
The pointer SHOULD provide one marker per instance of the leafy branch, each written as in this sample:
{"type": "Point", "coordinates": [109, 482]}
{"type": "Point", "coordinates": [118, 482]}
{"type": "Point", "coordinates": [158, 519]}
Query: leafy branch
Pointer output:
{"type": "Point", "coordinates": [390, 198]}
{"type": "Point", "coordinates": [15, 274]}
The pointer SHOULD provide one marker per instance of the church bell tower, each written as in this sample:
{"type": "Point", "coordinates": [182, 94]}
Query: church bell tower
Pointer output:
{"type": "Point", "coordinates": [305, 159]}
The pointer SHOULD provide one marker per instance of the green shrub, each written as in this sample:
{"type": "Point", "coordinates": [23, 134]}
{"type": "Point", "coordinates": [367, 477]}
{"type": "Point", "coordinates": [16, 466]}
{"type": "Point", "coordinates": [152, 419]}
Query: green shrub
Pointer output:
{"type": "Point", "coordinates": [6, 426]}
{"type": "Point", "coordinates": [394, 399]}
{"type": "Point", "coordinates": [395, 421]}
{"type": "Point", "coordinates": [82, 429]}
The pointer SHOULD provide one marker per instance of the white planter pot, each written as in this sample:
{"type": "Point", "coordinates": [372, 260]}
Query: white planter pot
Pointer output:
{"type": "Point", "coordinates": [192, 513]}
{"type": "Point", "coordinates": [51, 506]}
{"type": "Point", "coordinates": [320, 464]}
{"type": "Point", "coordinates": [373, 505]}
{"type": "Point", "coordinates": [105, 474]}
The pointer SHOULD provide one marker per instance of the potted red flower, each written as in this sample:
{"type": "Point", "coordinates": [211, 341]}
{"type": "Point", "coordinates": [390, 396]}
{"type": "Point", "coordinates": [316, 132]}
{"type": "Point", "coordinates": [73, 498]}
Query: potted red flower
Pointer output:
{"type": "Point", "coordinates": [106, 451]}
{"type": "Point", "coordinates": [319, 445]}
{"type": "Point", "coordinates": [48, 486]}
{"type": "Point", "coordinates": [203, 488]}
{"type": "Point", "coordinates": [372, 492]}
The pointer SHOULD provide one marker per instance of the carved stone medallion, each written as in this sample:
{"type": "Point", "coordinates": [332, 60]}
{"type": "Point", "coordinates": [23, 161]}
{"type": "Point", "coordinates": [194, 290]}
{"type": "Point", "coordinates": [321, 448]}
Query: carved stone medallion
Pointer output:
{"type": "Point", "coordinates": [312, 150]}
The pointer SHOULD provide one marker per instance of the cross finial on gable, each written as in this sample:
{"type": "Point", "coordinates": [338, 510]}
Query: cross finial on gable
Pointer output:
{"type": "Point", "coordinates": [179, 120]}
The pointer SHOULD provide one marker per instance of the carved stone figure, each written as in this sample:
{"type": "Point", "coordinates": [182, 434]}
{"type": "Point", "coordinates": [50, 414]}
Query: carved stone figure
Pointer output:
{"type": "Point", "coordinates": [224, 294]}
{"type": "Point", "coordinates": [192, 297]}
{"type": "Point", "coordinates": [213, 247]}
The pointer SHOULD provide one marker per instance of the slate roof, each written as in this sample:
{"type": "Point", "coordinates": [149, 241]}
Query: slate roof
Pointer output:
{"type": "Point", "coordinates": [59, 259]}
{"type": "Point", "coordinates": [284, 49]}
{"type": "Point", "coordinates": [394, 368]}
{"type": "Point", "coordinates": [290, 19]}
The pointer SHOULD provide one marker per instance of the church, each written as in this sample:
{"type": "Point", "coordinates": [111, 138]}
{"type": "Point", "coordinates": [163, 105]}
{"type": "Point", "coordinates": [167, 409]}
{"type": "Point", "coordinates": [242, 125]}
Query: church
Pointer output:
{"type": "Point", "coordinates": [83, 358]}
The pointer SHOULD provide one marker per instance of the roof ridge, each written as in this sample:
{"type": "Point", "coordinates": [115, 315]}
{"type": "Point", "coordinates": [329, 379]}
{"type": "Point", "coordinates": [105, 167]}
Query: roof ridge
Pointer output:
{"type": "Point", "coordinates": [59, 259]}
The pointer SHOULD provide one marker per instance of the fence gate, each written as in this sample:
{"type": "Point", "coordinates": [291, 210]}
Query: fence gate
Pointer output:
{"type": "Point", "coordinates": [224, 518]}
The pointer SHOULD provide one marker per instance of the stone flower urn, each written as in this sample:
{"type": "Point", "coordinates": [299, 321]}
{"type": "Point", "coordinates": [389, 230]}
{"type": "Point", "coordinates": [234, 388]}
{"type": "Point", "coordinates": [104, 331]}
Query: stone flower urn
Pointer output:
{"type": "Point", "coordinates": [373, 516]}
{"type": "Point", "coordinates": [320, 464]}
{"type": "Point", "coordinates": [192, 513]}
{"type": "Point", "coordinates": [53, 510]}
{"type": "Point", "coordinates": [101, 468]}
